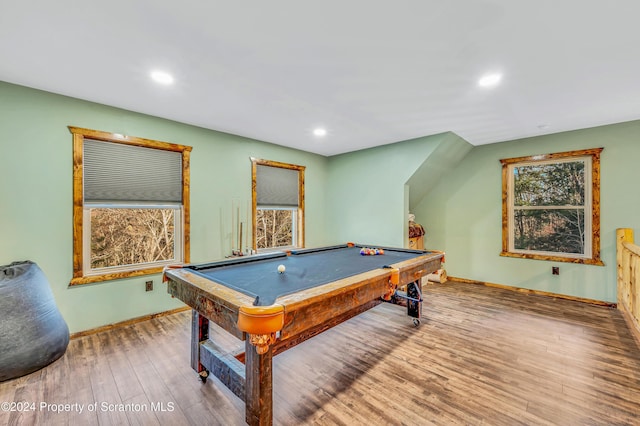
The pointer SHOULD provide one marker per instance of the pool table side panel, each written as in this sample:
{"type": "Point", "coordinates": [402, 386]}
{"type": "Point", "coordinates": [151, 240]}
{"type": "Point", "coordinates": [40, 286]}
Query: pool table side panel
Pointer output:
{"type": "Point", "coordinates": [316, 306]}
{"type": "Point", "coordinates": [312, 311]}
{"type": "Point", "coordinates": [283, 345]}
{"type": "Point", "coordinates": [411, 273]}
{"type": "Point", "coordinates": [219, 290]}
{"type": "Point", "coordinates": [210, 304]}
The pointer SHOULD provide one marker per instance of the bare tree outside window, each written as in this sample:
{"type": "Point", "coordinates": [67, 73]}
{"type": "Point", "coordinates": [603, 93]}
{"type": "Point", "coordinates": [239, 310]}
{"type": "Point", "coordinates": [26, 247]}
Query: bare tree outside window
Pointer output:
{"type": "Point", "coordinates": [128, 236]}
{"type": "Point", "coordinates": [274, 228]}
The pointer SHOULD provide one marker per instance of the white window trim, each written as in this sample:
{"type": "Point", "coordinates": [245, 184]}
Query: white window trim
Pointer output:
{"type": "Point", "coordinates": [294, 229]}
{"type": "Point", "coordinates": [86, 238]}
{"type": "Point", "coordinates": [587, 207]}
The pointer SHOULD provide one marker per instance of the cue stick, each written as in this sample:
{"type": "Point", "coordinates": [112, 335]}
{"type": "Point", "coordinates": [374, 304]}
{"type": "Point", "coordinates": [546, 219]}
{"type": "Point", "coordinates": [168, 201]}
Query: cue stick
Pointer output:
{"type": "Point", "coordinates": [246, 234]}
{"type": "Point", "coordinates": [232, 249]}
{"type": "Point", "coordinates": [240, 239]}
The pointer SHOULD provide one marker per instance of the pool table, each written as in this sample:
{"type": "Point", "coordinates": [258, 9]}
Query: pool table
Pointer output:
{"type": "Point", "coordinates": [273, 311]}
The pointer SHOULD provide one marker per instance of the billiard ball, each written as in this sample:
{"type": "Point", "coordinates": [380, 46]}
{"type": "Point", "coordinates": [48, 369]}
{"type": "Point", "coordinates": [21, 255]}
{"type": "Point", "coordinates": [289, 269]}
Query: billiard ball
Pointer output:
{"type": "Point", "coordinates": [281, 269]}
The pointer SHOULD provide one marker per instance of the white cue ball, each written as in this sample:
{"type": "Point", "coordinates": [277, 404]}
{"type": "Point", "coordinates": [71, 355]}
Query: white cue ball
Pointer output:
{"type": "Point", "coordinates": [281, 268]}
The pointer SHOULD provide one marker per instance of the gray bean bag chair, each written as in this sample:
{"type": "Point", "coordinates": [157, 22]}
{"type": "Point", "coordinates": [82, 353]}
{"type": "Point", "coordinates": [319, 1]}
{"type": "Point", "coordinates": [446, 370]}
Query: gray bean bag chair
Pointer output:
{"type": "Point", "coordinates": [33, 334]}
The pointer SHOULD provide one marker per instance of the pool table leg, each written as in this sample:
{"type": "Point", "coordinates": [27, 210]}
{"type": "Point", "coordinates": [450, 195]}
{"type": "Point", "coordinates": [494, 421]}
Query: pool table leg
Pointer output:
{"type": "Point", "coordinates": [259, 385]}
{"type": "Point", "coordinates": [199, 333]}
{"type": "Point", "coordinates": [414, 301]}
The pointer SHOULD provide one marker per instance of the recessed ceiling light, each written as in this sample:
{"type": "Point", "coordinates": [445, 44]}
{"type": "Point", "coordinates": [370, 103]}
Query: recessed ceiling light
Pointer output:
{"type": "Point", "coordinates": [320, 132]}
{"type": "Point", "coordinates": [162, 77]}
{"type": "Point", "coordinates": [490, 80]}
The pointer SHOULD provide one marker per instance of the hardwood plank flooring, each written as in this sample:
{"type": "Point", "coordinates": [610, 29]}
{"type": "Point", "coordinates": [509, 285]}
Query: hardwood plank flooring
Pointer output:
{"type": "Point", "coordinates": [482, 355]}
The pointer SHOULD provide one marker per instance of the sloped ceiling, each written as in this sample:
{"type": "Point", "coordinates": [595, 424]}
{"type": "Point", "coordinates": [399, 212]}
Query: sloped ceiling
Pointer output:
{"type": "Point", "coordinates": [446, 155]}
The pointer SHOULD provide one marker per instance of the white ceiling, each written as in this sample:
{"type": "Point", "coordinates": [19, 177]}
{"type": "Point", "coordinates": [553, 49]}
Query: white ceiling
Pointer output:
{"type": "Point", "coordinates": [371, 72]}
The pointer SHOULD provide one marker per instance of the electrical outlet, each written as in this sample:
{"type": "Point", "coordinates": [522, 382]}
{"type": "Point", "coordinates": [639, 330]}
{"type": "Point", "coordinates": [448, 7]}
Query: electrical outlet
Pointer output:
{"type": "Point", "coordinates": [148, 286]}
{"type": "Point", "coordinates": [555, 270]}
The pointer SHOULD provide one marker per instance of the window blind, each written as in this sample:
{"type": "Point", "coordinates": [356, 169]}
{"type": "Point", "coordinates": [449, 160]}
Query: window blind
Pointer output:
{"type": "Point", "coordinates": [115, 172]}
{"type": "Point", "coordinates": [276, 187]}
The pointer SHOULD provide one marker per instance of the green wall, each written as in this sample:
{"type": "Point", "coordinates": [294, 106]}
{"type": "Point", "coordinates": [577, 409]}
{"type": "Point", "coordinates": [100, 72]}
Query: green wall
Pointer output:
{"type": "Point", "coordinates": [462, 213]}
{"type": "Point", "coordinates": [369, 200]}
{"type": "Point", "coordinates": [36, 195]}
{"type": "Point", "coordinates": [361, 196]}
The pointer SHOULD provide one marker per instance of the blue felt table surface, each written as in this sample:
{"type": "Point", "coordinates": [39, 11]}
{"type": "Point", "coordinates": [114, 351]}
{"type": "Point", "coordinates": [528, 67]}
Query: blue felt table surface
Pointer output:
{"type": "Point", "coordinates": [259, 277]}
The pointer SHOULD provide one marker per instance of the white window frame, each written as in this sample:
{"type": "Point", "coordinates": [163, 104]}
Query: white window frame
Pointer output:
{"type": "Point", "coordinates": [586, 207]}
{"type": "Point", "coordinates": [294, 228]}
{"type": "Point", "coordinates": [178, 240]}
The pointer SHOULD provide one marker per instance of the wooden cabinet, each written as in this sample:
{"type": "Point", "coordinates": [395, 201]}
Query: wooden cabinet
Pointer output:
{"type": "Point", "coordinates": [416, 243]}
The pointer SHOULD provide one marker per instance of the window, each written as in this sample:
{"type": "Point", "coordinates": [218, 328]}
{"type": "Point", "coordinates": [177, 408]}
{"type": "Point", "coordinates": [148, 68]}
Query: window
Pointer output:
{"type": "Point", "coordinates": [278, 204]}
{"type": "Point", "coordinates": [130, 205]}
{"type": "Point", "coordinates": [551, 207]}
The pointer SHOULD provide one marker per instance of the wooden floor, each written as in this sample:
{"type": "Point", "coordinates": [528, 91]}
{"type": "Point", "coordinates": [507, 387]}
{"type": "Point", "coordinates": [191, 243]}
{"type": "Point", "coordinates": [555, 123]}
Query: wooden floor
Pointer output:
{"type": "Point", "coordinates": [481, 356]}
